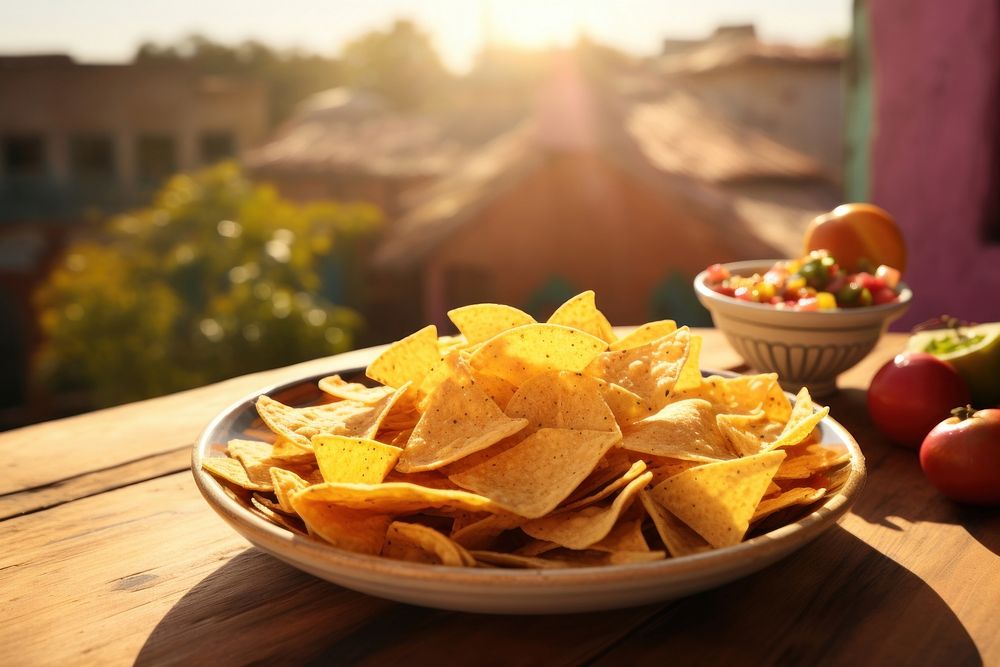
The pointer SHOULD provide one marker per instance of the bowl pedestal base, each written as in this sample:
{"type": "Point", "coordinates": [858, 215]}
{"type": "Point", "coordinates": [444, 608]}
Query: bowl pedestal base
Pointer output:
{"type": "Point", "coordinates": [819, 389]}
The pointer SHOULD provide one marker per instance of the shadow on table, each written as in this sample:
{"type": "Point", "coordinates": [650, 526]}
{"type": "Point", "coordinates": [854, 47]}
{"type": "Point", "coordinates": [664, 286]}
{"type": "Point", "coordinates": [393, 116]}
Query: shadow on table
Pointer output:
{"type": "Point", "coordinates": [253, 609]}
{"type": "Point", "coordinates": [836, 602]}
{"type": "Point", "coordinates": [256, 609]}
{"type": "Point", "coordinates": [896, 485]}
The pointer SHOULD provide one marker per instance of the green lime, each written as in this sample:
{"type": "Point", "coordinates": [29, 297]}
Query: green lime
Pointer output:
{"type": "Point", "coordinates": [973, 351]}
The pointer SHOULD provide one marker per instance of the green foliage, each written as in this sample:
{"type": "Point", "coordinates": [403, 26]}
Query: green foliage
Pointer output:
{"type": "Point", "coordinates": [674, 299]}
{"type": "Point", "coordinates": [219, 277]}
{"type": "Point", "coordinates": [399, 63]}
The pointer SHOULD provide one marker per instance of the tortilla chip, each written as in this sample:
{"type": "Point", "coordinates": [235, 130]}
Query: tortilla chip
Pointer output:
{"type": "Point", "coordinates": [682, 430]}
{"type": "Point", "coordinates": [285, 448]}
{"type": "Point", "coordinates": [593, 558]}
{"type": "Point", "coordinates": [266, 502]}
{"type": "Point", "coordinates": [805, 461]}
{"type": "Point", "coordinates": [258, 460]}
{"type": "Point", "coordinates": [558, 399]}
{"type": "Point", "coordinates": [579, 529]}
{"type": "Point", "coordinates": [495, 387]}
{"type": "Point", "coordinates": [748, 434]}
{"type": "Point", "coordinates": [531, 477]}
{"type": "Point", "coordinates": [448, 344]}
{"type": "Point", "coordinates": [417, 543]}
{"type": "Point", "coordinates": [432, 479]}
{"type": "Point", "coordinates": [352, 418]}
{"type": "Point", "coordinates": [831, 479]}
{"type": "Point", "coordinates": [452, 365]}
{"type": "Point", "coordinates": [346, 459]}
{"type": "Point", "coordinates": [676, 535]}
{"type": "Point", "coordinates": [285, 484]}
{"type": "Point", "coordinates": [797, 496]}
{"type": "Point", "coordinates": [460, 420]}
{"type": "Point", "coordinates": [407, 360]}
{"type": "Point", "coordinates": [649, 371]}
{"type": "Point", "coordinates": [536, 548]}
{"type": "Point", "coordinates": [581, 312]}
{"type": "Point", "coordinates": [482, 533]}
{"type": "Point", "coordinates": [501, 559]}
{"type": "Point", "coordinates": [269, 511]}
{"type": "Point", "coordinates": [481, 321]}
{"type": "Point", "coordinates": [232, 471]}
{"type": "Point", "coordinates": [626, 535]}
{"type": "Point", "coordinates": [663, 467]}
{"type": "Point", "coordinates": [614, 464]}
{"type": "Point", "coordinates": [249, 452]}
{"type": "Point", "coordinates": [392, 497]}
{"type": "Point", "coordinates": [646, 333]}
{"type": "Point", "coordinates": [743, 394]}
{"type": "Point", "coordinates": [627, 407]}
{"type": "Point", "coordinates": [690, 375]}
{"type": "Point", "coordinates": [718, 500]}
{"type": "Point", "coordinates": [517, 355]}
{"type": "Point", "coordinates": [461, 519]}
{"type": "Point", "coordinates": [403, 416]}
{"type": "Point", "coordinates": [337, 387]}
{"type": "Point", "coordinates": [350, 529]}
{"type": "Point", "coordinates": [633, 471]}
{"type": "Point", "coordinates": [801, 422]}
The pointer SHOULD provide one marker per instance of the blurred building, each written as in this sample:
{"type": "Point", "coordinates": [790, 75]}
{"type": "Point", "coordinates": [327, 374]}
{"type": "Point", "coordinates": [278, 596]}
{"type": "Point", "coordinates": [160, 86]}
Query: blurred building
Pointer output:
{"type": "Point", "coordinates": [78, 141]}
{"type": "Point", "coordinates": [792, 94]}
{"type": "Point", "coordinates": [77, 136]}
{"type": "Point", "coordinates": [350, 145]}
{"type": "Point", "coordinates": [629, 196]}
{"type": "Point", "coordinates": [347, 144]}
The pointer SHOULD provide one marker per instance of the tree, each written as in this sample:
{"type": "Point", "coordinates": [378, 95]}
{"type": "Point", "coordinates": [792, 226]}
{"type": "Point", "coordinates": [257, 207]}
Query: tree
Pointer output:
{"type": "Point", "coordinates": [399, 63]}
{"type": "Point", "coordinates": [219, 277]}
{"type": "Point", "coordinates": [290, 76]}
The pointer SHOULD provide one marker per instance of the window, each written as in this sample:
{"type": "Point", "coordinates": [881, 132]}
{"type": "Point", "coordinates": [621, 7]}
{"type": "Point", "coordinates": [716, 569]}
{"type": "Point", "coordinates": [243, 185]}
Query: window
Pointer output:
{"type": "Point", "coordinates": [156, 158]}
{"type": "Point", "coordinates": [216, 146]}
{"type": "Point", "coordinates": [24, 155]}
{"type": "Point", "coordinates": [92, 157]}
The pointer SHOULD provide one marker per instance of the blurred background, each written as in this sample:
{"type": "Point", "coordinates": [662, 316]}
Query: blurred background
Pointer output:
{"type": "Point", "coordinates": [191, 191]}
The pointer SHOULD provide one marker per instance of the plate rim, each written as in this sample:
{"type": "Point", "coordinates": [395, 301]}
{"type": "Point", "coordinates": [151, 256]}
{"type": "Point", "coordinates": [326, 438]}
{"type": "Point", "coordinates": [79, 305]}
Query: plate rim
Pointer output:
{"type": "Point", "coordinates": [322, 555]}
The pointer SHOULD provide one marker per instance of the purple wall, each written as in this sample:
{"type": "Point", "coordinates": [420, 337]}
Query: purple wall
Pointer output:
{"type": "Point", "coordinates": [935, 148]}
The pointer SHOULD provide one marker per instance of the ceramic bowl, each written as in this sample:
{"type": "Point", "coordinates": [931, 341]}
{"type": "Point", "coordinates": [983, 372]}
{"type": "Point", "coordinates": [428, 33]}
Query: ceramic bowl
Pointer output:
{"type": "Point", "coordinates": [805, 348]}
{"type": "Point", "coordinates": [506, 591]}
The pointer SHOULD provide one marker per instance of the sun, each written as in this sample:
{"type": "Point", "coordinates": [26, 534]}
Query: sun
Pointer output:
{"type": "Point", "coordinates": [533, 23]}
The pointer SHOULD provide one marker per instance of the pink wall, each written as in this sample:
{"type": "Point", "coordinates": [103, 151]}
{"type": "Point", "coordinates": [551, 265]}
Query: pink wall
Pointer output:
{"type": "Point", "coordinates": [937, 118]}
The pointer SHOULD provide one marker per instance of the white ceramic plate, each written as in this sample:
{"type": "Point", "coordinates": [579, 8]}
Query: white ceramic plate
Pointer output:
{"type": "Point", "coordinates": [506, 591]}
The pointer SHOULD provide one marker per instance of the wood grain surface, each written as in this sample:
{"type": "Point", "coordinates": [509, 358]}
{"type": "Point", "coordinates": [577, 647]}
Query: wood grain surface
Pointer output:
{"type": "Point", "coordinates": [110, 556]}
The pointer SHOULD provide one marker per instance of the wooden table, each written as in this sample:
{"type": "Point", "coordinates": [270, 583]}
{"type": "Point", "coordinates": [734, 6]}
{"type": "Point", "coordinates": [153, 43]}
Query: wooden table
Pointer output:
{"type": "Point", "coordinates": [110, 556]}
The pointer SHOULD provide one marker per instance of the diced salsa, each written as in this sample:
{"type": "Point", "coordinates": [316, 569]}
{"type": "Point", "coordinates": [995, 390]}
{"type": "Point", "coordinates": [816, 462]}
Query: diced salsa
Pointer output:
{"type": "Point", "coordinates": [813, 282]}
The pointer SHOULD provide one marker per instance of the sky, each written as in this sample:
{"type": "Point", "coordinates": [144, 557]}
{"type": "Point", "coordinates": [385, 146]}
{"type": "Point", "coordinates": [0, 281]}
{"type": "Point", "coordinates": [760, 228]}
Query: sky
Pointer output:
{"type": "Point", "coordinates": [110, 30]}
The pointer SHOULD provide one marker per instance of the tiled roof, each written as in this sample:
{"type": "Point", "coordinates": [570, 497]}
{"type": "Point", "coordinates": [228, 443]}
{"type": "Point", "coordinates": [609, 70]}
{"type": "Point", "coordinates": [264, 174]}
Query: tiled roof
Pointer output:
{"type": "Point", "coordinates": [678, 134]}
{"type": "Point", "coordinates": [638, 138]}
{"type": "Point", "coordinates": [724, 52]}
{"type": "Point", "coordinates": [341, 131]}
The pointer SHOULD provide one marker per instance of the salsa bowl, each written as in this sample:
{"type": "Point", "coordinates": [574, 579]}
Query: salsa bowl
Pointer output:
{"type": "Point", "coordinates": [805, 348]}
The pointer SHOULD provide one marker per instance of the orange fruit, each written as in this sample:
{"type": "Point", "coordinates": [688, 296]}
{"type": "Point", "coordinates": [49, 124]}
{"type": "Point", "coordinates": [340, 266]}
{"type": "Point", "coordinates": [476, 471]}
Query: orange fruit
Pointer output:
{"type": "Point", "coordinates": [855, 234]}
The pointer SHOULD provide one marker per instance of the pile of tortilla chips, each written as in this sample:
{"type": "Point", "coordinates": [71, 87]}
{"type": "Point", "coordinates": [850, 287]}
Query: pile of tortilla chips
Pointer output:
{"type": "Point", "coordinates": [526, 444]}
